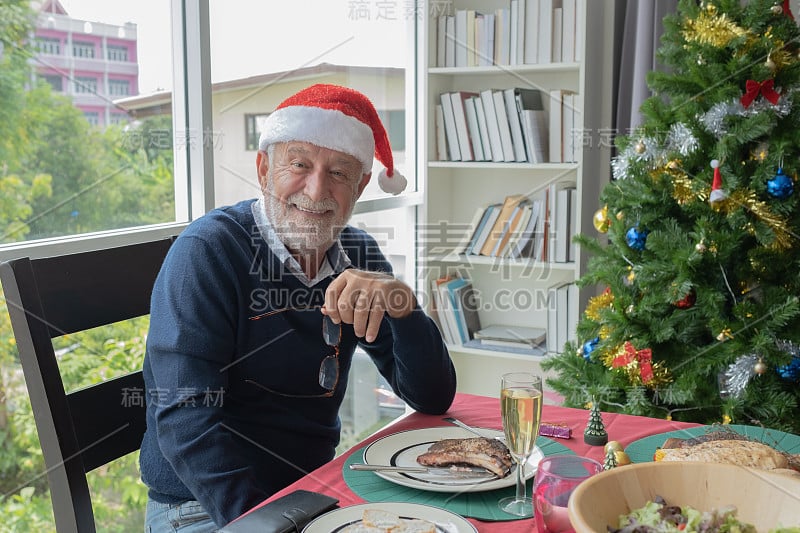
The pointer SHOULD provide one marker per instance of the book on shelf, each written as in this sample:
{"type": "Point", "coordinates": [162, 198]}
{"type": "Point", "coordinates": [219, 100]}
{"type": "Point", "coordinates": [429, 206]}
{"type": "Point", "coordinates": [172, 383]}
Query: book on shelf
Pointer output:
{"type": "Point", "coordinates": [533, 119]}
{"type": "Point", "coordinates": [545, 30]}
{"type": "Point", "coordinates": [531, 55]}
{"type": "Point", "coordinates": [520, 349]}
{"type": "Point", "coordinates": [441, 43]}
{"type": "Point", "coordinates": [580, 13]}
{"type": "Point", "coordinates": [557, 125]}
{"type": "Point", "coordinates": [568, 18]}
{"type": "Point", "coordinates": [572, 251]}
{"type": "Point", "coordinates": [473, 129]}
{"type": "Point", "coordinates": [450, 41]}
{"type": "Point", "coordinates": [484, 228]}
{"type": "Point", "coordinates": [518, 232]}
{"type": "Point", "coordinates": [465, 306]}
{"type": "Point", "coordinates": [462, 129]}
{"type": "Point", "coordinates": [465, 37]}
{"type": "Point", "coordinates": [471, 231]}
{"type": "Point", "coordinates": [440, 296]}
{"type": "Point", "coordinates": [557, 312]}
{"type": "Point", "coordinates": [504, 216]}
{"type": "Point", "coordinates": [453, 150]}
{"type": "Point", "coordinates": [503, 125]}
{"type": "Point", "coordinates": [513, 29]}
{"type": "Point", "coordinates": [510, 229]}
{"type": "Point", "coordinates": [502, 16]}
{"type": "Point", "coordinates": [573, 306]}
{"type": "Point", "coordinates": [504, 335]}
{"type": "Point", "coordinates": [487, 99]}
{"type": "Point", "coordinates": [558, 16]}
{"type": "Point", "coordinates": [569, 131]}
{"type": "Point", "coordinates": [483, 128]}
{"type": "Point", "coordinates": [564, 229]}
{"type": "Point", "coordinates": [525, 243]}
{"type": "Point", "coordinates": [441, 135]}
{"type": "Point", "coordinates": [509, 97]}
{"type": "Point", "coordinates": [520, 42]}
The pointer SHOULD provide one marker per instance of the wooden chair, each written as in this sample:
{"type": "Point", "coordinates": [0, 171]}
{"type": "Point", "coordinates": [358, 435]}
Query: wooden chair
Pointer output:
{"type": "Point", "coordinates": [83, 429]}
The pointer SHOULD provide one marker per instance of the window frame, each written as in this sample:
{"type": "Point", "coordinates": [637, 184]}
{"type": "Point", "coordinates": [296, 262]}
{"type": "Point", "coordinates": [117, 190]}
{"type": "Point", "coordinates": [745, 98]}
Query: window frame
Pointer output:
{"type": "Point", "coordinates": [193, 172]}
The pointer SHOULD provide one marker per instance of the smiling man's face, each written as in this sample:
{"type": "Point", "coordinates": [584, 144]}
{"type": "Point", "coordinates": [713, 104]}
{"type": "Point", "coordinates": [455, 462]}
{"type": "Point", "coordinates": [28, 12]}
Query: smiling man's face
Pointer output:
{"type": "Point", "coordinates": [309, 193]}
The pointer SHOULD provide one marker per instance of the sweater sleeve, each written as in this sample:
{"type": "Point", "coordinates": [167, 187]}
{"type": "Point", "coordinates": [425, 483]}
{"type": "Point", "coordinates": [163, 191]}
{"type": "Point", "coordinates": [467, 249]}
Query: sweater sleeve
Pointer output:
{"type": "Point", "coordinates": [190, 344]}
{"type": "Point", "coordinates": [409, 352]}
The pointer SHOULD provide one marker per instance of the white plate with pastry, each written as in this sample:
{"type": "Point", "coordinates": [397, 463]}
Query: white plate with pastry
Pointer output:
{"type": "Point", "coordinates": [396, 517]}
{"type": "Point", "coordinates": [405, 447]}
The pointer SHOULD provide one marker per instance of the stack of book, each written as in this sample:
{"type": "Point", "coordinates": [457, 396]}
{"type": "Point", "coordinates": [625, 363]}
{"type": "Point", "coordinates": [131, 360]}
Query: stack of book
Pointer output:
{"type": "Point", "coordinates": [521, 32]}
{"type": "Point", "coordinates": [500, 125]}
{"type": "Point", "coordinates": [454, 308]}
{"type": "Point", "coordinates": [515, 339]}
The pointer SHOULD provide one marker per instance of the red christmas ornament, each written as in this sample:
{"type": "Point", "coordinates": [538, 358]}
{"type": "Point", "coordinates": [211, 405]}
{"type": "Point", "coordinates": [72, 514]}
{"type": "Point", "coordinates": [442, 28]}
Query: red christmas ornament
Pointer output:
{"type": "Point", "coordinates": [687, 301]}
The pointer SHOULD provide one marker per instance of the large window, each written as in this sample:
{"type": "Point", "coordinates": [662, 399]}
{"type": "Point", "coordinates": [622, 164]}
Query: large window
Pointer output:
{"type": "Point", "coordinates": [56, 81]}
{"type": "Point", "coordinates": [252, 129]}
{"type": "Point", "coordinates": [83, 49]}
{"type": "Point", "coordinates": [119, 87]}
{"type": "Point", "coordinates": [69, 186]}
{"type": "Point", "coordinates": [116, 52]}
{"type": "Point", "coordinates": [48, 45]}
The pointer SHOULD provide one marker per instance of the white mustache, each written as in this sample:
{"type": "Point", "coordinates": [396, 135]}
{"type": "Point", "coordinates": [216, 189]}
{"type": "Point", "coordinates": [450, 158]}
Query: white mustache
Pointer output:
{"type": "Point", "coordinates": [304, 202]}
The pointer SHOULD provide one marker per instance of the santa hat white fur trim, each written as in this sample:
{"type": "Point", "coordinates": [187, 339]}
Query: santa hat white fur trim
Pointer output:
{"type": "Point", "coordinates": [328, 128]}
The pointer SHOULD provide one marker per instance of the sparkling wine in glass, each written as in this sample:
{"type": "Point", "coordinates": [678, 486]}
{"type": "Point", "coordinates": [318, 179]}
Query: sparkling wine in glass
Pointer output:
{"type": "Point", "coordinates": [521, 407]}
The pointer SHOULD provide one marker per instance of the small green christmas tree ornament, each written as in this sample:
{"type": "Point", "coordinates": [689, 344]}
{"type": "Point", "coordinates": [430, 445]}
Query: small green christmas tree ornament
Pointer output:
{"type": "Point", "coordinates": [595, 433]}
{"type": "Point", "coordinates": [610, 460]}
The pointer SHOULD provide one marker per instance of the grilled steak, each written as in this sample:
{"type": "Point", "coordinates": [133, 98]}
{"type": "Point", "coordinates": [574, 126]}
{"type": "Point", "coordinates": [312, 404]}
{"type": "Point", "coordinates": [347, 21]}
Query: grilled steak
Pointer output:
{"type": "Point", "coordinates": [490, 454]}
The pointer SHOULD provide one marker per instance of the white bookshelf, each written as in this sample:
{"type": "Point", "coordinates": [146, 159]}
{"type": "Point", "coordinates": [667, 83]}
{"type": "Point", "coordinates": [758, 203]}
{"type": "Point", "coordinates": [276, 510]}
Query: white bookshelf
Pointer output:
{"type": "Point", "coordinates": [454, 189]}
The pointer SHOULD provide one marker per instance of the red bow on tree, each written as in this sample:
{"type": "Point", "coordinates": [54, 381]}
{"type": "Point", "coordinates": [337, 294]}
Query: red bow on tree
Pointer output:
{"type": "Point", "coordinates": [765, 88]}
{"type": "Point", "coordinates": [786, 10]}
{"type": "Point", "coordinates": [643, 357]}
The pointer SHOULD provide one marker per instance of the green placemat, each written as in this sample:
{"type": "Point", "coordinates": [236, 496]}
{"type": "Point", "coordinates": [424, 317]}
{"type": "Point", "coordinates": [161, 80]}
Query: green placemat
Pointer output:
{"type": "Point", "coordinates": [642, 450]}
{"type": "Point", "coordinates": [480, 505]}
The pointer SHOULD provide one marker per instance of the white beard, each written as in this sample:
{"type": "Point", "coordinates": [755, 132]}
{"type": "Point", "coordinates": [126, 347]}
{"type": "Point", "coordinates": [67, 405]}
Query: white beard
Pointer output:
{"type": "Point", "coordinates": [303, 234]}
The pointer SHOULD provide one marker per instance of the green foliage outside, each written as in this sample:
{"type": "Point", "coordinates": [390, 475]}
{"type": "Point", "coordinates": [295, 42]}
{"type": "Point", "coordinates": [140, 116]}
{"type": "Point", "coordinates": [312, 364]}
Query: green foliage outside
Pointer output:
{"type": "Point", "coordinates": [701, 319]}
{"type": "Point", "coordinates": [60, 176]}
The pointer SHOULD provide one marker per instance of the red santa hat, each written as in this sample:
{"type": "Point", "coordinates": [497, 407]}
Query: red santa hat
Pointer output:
{"type": "Point", "coordinates": [337, 118]}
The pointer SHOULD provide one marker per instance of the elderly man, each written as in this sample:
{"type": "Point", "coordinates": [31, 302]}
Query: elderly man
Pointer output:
{"type": "Point", "coordinates": [257, 312]}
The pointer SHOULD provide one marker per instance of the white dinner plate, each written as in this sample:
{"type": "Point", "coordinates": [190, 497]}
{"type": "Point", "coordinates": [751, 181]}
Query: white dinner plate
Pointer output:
{"type": "Point", "coordinates": [403, 448]}
{"type": "Point", "coordinates": [338, 519]}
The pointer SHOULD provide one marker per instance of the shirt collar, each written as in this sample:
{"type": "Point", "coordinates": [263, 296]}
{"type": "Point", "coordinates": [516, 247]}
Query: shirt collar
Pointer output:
{"type": "Point", "coordinates": [336, 259]}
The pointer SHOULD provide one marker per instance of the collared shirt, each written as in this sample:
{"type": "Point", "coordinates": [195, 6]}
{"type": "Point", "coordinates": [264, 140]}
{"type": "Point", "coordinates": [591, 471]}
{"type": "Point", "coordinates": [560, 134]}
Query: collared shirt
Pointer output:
{"type": "Point", "coordinates": [335, 261]}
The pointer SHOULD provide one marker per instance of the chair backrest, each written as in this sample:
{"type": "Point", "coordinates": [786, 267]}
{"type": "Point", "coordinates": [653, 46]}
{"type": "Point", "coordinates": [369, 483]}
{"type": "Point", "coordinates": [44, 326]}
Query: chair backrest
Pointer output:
{"type": "Point", "coordinates": [90, 427]}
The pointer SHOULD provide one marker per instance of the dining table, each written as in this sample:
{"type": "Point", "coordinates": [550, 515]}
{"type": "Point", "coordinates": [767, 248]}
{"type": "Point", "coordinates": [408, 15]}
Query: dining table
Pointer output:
{"type": "Point", "coordinates": [335, 479]}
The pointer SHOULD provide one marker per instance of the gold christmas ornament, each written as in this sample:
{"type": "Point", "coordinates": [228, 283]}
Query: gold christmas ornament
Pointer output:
{"type": "Point", "coordinates": [639, 147]}
{"type": "Point", "coordinates": [777, 9]}
{"type": "Point", "coordinates": [760, 368]}
{"type": "Point", "coordinates": [770, 64]}
{"type": "Point", "coordinates": [600, 219]}
{"type": "Point", "coordinates": [724, 335]}
{"type": "Point", "coordinates": [700, 247]}
{"type": "Point", "coordinates": [613, 446]}
{"type": "Point", "coordinates": [622, 458]}
{"type": "Point", "coordinates": [630, 309]}
{"type": "Point", "coordinates": [620, 215]}
{"type": "Point", "coordinates": [760, 152]}
{"type": "Point", "coordinates": [726, 419]}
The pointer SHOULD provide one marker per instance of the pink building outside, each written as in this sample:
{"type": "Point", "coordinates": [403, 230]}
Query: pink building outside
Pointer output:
{"type": "Point", "coordinates": [93, 63]}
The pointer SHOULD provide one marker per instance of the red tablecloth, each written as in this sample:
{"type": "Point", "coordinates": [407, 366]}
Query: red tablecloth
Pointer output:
{"type": "Point", "coordinates": [485, 412]}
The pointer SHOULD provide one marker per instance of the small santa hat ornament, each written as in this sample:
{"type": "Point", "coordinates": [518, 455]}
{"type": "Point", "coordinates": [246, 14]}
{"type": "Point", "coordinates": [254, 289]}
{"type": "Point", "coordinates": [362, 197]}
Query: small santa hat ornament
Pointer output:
{"type": "Point", "coordinates": [718, 194]}
{"type": "Point", "coordinates": [337, 118]}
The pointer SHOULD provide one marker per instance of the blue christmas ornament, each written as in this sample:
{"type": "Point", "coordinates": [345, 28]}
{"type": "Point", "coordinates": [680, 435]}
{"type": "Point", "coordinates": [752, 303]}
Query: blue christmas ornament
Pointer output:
{"type": "Point", "coordinates": [636, 238]}
{"type": "Point", "coordinates": [781, 186]}
{"type": "Point", "coordinates": [791, 372]}
{"type": "Point", "coordinates": [588, 348]}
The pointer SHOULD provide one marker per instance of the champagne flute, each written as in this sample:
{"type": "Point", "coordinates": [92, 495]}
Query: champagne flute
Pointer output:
{"type": "Point", "coordinates": [521, 407]}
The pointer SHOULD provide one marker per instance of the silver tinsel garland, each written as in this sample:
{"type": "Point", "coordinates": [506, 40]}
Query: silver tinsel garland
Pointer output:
{"type": "Point", "coordinates": [714, 119]}
{"type": "Point", "coordinates": [735, 378]}
{"type": "Point", "coordinates": [681, 139]}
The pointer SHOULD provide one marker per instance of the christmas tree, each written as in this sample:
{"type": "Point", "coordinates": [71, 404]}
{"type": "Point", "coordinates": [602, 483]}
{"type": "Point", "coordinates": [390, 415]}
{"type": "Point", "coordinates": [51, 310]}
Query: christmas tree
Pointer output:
{"type": "Point", "coordinates": [698, 244]}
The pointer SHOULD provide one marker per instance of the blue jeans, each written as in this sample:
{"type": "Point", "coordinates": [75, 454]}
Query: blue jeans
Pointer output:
{"type": "Point", "coordinates": [186, 517]}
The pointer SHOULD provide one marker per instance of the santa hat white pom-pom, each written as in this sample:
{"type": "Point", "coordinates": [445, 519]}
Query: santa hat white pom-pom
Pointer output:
{"type": "Point", "coordinates": [714, 163]}
{"type": "Point", "coordinates": [394, 184]}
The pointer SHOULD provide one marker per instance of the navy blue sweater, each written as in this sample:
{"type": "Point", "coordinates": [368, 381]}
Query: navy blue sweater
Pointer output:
{"type": "Point", "coordinates": [214, 436]}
